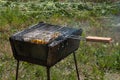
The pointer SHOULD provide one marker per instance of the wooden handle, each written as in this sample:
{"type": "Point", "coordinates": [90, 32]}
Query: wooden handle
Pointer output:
{"type": "Point", "coordinates": [99, 39]}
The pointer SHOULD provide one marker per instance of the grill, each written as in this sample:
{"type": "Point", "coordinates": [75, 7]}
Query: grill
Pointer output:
{"type": "Point", "coordinates": [44, 44]}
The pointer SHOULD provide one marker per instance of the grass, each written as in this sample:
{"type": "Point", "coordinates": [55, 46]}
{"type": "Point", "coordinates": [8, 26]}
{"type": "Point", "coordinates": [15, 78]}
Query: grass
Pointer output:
{"type": "Point", "coordinates": [96, 61]}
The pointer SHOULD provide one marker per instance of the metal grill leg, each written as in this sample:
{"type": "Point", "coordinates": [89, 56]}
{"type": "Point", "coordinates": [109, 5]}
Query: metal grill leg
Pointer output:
{"type": "Point", "coordinates": [17, 70]}
{"type": "Point", "coordinates": [76, 66]}
{"type": "Point", "coordinates": [48, 73]}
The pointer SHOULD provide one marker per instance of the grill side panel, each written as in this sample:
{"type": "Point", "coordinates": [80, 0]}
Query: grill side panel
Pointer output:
{"type": "Point", "coordinates": [61, 51]}
{"type": "Point", "coordinates": [29, 52]}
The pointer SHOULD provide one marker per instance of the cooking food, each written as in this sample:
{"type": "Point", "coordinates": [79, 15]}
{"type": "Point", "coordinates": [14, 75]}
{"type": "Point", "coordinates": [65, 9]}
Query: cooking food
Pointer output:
{"type": "Point", "coordinates": [42, 38]}
{"type": "Point", "coordinates": [38, 41]}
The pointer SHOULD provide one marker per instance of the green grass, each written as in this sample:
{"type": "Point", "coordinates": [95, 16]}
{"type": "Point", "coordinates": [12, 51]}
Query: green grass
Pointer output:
{"type": "Point", "coordinates": [95, 60]}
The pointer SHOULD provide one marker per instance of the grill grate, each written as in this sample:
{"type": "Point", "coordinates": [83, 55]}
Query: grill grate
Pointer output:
{"type": "Point", "coordinates": [44, 33]}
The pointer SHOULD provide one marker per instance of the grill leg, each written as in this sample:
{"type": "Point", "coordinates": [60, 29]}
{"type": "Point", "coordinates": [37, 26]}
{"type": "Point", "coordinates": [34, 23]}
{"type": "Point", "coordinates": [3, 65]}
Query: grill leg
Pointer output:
{"type": "Point", "coordinates": [48, 73]}
{"type": "Point", "coordinates": [17, 70]}
{"type": "Point", "coordinates": [76, 66]}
